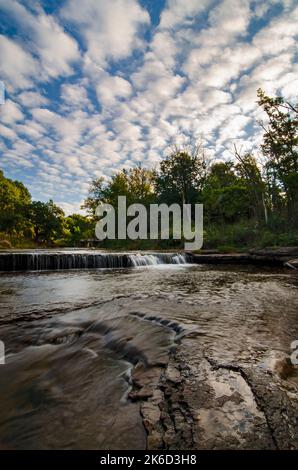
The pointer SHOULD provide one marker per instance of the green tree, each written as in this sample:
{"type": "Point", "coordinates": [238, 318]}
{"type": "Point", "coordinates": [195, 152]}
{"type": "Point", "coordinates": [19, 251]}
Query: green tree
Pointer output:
{"type": "Point", "coordinates": [280, 146]}
{"type": "Point", "coordinates": [14, 206]}
{"type": "Point", "coordinates": [47, 221]}
{"type": "Point", "coordinates": [95, 196]}
{"type": "Point", "coordinates": [78, 227]}
{"type": "Point", "coordinates": [137, 184]}
{"type": "Point", "coordinates": [181, 176]}
{"type": "Point", "coordinates": [224, 195]}
{"type": "Point", "coordinates": [248, 170]}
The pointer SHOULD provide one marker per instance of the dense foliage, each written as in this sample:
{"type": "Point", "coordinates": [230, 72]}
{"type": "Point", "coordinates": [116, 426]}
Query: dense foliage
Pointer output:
{"type": "Point", "coordinates": [245, 203]}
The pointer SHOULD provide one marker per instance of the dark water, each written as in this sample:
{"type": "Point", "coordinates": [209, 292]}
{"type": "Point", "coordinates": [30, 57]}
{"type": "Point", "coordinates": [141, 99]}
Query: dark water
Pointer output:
{"type": "Point", "coordinates": [72, 337]}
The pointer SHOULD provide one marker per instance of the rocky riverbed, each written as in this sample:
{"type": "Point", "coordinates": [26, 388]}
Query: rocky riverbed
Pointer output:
{"type": "Point", "coordinates": [210, 393]}
{"type": "Point", "coordinates": [160, 357]}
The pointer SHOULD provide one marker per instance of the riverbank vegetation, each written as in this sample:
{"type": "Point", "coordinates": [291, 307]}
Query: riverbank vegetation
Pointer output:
{"type": "Point", "coordinates": [249, 201]}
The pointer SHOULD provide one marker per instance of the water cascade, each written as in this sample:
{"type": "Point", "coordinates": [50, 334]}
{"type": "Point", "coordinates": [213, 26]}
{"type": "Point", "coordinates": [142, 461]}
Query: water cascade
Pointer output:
{"type": "Point", "coordinates": [60, 260]}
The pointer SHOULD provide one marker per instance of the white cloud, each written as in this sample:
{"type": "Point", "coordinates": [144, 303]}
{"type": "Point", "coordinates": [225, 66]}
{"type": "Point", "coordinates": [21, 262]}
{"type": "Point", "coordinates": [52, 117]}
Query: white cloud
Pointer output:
{"type": "Point", "coordinates": [272, 68]}
{"type": "Point", "coordinates": [7, 133]}
{"type": "Point", "coordinates": [71, 208]}
{"type": "Point", "coordinates": [76, 96]}
{"type": "Point", "coordinates": [110, 29]}
{"type": "Point", "coordinates": [56, 50]}
{"type": "Point", "coordinates": [164, 48]}
{"type": "Point", "coordinates": [230, 17]}
{"type": "Point", "coordinates": [157, 83]}
{"type": "Point", "coordinates": [180, 11]}
{"type": "Point", "coordinates": [29, 131]}
{"type": "Point", "coordinates": [110, 88]}
{"type": "Point", "coordinates": [10, 112]}
{"type": "Point", "coordinates": [17, 67]}
{"type": "Point", "coordinates": [280, 35]}
{"type": "Point", "coordinates": [32, 99]}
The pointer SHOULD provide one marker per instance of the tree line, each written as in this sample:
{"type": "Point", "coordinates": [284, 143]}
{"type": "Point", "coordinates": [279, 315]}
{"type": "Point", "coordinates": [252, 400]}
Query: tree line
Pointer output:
{"type": "Point", "coordinates": [251, 200]}
{"type": "Point", "coordinates": [27, 223]}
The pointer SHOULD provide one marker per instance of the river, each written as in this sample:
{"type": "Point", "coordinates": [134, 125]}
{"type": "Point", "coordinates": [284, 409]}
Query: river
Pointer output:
{"type": "Point", "coordinates": [153, 355]}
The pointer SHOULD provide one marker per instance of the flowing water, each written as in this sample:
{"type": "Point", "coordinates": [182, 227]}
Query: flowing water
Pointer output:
{"type": "Point", "coordinates": [46, 260]}
{"type": "Point", "coordinates": [72, 338]}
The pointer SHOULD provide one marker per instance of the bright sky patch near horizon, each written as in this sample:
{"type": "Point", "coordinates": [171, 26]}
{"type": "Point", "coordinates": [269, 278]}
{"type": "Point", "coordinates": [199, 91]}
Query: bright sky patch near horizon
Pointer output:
{"type": "Point", "coordinates": [93, 86]}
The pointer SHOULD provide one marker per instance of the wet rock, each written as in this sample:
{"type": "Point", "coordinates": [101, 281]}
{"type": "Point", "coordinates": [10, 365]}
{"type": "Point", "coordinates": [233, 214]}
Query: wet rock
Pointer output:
{"type": "Point", "coordinates": [279, 405]}
{"type": "Point", "coordinates": [280, 251]}
{"type": "Point", "coordinates": [144, 376]}
{"type": "Point", "coordinates": [154, 441]}
{"type": "Point", "coordinates": [200, 403]}
{"type": "Point", "coordinates": [266, 256]}
{"type": "Point", "coordinates": [151, 413]}
{"type": "Point", "coordinates": [278, 363]}
{"type": "Point", "coordinates": [292, 263]}
{"type": "Point", "coordinates": [141, 394]}
{"type": "Point", "coordinates": [173, 374]}
{"type": "Point", "coordinates": [226, 388]}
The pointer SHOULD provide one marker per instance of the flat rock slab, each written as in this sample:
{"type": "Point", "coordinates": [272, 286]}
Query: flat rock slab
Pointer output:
{"type": "Point", "coordinates": [274, 257]}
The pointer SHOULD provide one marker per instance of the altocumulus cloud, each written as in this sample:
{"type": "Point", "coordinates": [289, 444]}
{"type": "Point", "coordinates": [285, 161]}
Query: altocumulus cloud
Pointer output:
{"type": "Point", "coordinates": [93, 86]}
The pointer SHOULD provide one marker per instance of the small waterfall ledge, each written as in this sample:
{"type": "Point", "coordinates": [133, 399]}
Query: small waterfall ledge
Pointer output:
{"type": "Point", "coordinates": [59, 260]}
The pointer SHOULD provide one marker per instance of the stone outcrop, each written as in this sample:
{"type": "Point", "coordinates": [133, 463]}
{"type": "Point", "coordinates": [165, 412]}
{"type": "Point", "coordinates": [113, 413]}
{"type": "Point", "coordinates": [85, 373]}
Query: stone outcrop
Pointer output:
{"type": "Point", "coordinates": [195, 401]}
{"type": "Point", "coordinates": [217, 406]}
{"type": "Point", "coordinates": [267, 256]}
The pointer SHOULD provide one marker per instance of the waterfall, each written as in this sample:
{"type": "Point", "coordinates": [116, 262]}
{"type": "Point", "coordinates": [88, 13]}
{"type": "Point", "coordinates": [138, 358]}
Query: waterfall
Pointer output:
{"type": "Point", "coordinates": [60, 260]}
{"type": "Point", "coordinates": [159, 258]}
{"type": "Point", "coordinates": [180, 259]}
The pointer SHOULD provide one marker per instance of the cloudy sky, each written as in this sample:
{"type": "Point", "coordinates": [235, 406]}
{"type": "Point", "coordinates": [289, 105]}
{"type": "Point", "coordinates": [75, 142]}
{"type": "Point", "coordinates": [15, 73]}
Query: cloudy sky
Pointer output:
{"type": "Point", "coordinates": [93, 86]}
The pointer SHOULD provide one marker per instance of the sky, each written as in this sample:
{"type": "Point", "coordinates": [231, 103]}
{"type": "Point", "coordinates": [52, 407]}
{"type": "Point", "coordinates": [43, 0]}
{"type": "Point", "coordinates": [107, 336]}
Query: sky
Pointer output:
{"type": "Point", "coordinates": [94, 86]}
